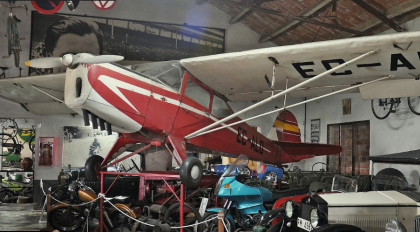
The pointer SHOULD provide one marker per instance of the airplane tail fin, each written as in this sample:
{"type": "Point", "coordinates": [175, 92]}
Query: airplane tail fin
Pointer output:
{"type": "Point", "coordinates": [285, 128]}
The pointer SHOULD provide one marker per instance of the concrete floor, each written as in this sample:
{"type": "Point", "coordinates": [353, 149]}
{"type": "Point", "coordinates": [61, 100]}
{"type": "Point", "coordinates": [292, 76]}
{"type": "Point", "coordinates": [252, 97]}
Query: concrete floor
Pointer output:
{"type": "Point", "coordinates": [21, 217]}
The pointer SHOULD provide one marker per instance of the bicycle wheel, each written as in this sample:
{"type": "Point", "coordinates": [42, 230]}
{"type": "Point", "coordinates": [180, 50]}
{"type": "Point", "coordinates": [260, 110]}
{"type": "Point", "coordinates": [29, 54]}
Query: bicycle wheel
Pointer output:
{"type": "Point", "coordinates": [414, 104]}
{"type": "Point", "coordinates": [9, 35]}
{"type": "Point", "coordinates": [381, 108]}
{"type": "Point", "coordinates": [7, 142]}
{"type": "Point", "coordinates": [17, 57]}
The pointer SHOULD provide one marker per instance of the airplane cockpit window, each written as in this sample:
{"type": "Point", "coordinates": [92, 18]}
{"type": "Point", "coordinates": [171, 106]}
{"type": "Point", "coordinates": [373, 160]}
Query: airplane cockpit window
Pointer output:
{"type": "Point", "coordinates": [220, 108]}
{"type": "Point", "coordinates": [168, 73]}
{"type": "Point", "coordinates": [197, 93]}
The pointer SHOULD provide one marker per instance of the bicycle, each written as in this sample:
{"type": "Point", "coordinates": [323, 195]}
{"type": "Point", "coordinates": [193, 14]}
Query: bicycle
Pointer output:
{"type": "Point", "coordinates": [383, 107]}
{"type": "Point", "coordinates": [13, 40]}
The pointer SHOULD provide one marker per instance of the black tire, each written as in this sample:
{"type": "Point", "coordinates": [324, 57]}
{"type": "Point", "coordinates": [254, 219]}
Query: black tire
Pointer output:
{"type": "Point", "coordinates": [93, 167]}
{"type": "Point", "coordinates": [414, 104]}
{"type": "Point", "coordinates": [7, 142]}
{"type": "Point", "coordinates": [9, 35]}
{"type": "Point", "coordinates": [338, 228]}
{"type": "Point", "coordinates": [65, 219]}
{"type": "Point", "coordinates": [17, 57]}
{"type": "Point", "coordinates": [191, 172]}
{"type": "Point", "coordinates": [381, 108]}
{"type": "Point", "coordinates": [32, 144]}
{"type": "Point", "coordinates": [271, 176]}
{"type": "Point", "coordinates": [6, 196]}
{"type": "Point", "coordinates": [212, 226]}
{"type": "Point", "coordinates": [172, 217]}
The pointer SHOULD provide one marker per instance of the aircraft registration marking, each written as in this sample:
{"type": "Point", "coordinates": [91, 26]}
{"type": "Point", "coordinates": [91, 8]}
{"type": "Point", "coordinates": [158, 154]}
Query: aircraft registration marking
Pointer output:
{"type": "Point", "coordinates": [241, 138]}
{"type": "Point", "coordinates": [397, 60]}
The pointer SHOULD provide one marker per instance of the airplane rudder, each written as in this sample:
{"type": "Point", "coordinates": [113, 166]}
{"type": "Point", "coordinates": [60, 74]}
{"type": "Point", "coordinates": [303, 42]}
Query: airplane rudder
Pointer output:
{"type": "Point", "coordinates": [286, 127]}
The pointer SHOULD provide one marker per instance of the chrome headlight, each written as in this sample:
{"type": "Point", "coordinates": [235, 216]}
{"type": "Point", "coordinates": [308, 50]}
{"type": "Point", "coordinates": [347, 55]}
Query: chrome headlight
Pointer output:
{"type": "Point", "coordinates": [314, 218]}
{"type": "Point", "coordinates": [395, 226]}
{"type": "Point", "coordinates": [289, 209]}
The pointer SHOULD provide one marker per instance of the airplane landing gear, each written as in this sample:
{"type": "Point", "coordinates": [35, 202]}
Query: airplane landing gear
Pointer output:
{"type": "Point", "coordinates": [191, 172]}
{"type": "Point", "coordinates": [93, 167]}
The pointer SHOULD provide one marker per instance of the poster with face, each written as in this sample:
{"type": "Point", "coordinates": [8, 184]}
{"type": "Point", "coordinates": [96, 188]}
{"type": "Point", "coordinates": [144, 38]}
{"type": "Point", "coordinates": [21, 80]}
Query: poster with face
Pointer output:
{"type": "Point", "coordinates": [58, 34]}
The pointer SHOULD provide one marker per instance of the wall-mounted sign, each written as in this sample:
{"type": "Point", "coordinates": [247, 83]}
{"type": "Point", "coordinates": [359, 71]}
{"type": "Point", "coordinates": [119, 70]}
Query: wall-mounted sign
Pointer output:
{"type": "Point", "coordinates": [47, 7]}
{"type": "Point", "coordinates": [315, 130]}
{"type": "Point", "coordinates": [104, 5]}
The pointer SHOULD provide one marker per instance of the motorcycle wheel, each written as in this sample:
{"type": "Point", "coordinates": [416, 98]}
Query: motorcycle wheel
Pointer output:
{"type": "Point", "coordinates": [65, 219]}
{"type": "Point", "coordinates": [6, 196]}
{"type": "Point", "coordinates": [191, 215]}
{"type": "Point", "coordinates": [212, 225]}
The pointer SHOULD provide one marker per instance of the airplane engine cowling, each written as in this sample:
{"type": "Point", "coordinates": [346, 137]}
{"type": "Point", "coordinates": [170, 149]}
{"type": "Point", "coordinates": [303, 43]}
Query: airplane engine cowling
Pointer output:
{"type": "Point", "coordinates": [77, 87]}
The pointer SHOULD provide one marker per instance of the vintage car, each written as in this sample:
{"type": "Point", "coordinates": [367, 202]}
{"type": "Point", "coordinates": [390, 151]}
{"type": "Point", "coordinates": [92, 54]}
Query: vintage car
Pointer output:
{"type": "Point", "coordinates": [375, 211]}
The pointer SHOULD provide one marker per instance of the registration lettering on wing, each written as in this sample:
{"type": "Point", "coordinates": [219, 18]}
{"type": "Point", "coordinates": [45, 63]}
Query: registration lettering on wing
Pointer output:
{"type": "Point", "coordinates": [304, 224]}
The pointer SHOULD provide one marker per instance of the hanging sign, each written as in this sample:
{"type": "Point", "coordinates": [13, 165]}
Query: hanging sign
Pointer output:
{"type": "Point", "coordinates": [47, 7]}
{"type": "Point", "coordinates": [104, 5]}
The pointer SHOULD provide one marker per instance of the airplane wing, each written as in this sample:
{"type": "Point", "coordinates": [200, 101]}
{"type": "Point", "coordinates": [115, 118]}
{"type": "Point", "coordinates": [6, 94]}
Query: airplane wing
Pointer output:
{"type": "Point", "coordinates": [240, 75]}
{"type": "Point", "coordinates": [37, 94]}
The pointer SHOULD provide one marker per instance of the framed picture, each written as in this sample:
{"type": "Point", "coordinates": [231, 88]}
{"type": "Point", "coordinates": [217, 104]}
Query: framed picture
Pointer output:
{"type": "Point", "coordinates": [59, 34]}
{"type": "Point", "coordinates": [79, 143]}
{"type": "Point", "coordinates": [315, 130]}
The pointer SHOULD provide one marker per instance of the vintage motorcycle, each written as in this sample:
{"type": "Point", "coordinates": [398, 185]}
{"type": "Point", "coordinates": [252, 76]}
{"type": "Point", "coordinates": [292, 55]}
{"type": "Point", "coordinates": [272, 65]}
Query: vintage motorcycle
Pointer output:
{"type": "Point", "coordinates": [11, 189]}
{"type": "Point", "coordinates": [247, 200]}
{"type": "Point", "coordinates": [73, 213]}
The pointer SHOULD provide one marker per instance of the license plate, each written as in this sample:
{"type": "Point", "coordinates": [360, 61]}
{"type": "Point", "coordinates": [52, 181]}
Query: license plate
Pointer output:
{"type": "Point", "coordinates": [304, 224]}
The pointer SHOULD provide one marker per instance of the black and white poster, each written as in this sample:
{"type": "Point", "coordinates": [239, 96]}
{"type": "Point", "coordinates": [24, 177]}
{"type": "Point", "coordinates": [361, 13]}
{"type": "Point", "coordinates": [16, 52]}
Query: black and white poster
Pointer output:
{"type": "Point", "coordinates": [58, 34]}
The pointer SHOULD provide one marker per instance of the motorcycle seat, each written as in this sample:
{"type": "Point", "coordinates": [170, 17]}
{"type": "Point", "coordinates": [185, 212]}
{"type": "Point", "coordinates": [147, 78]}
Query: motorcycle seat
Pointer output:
{"type": "Point", "coordinates": [121, 200]}
{"type": "Point", "coordinates": [290, 192]}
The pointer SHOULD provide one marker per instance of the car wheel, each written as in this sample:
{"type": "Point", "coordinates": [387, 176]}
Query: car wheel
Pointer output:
{"type": "Point", "coordinates": [271, 177]}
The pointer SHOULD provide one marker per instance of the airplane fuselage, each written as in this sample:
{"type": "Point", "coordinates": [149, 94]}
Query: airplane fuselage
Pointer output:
{"type": "Point", "coordinates": [132, 102]}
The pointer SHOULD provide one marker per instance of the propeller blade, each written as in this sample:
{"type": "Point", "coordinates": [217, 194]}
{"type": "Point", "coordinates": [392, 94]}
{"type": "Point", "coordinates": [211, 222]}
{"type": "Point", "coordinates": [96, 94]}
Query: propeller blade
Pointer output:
{"type": "Point", "coordinates": [46, 62]}
{"type": "Point", "coordinates": [97, 59]}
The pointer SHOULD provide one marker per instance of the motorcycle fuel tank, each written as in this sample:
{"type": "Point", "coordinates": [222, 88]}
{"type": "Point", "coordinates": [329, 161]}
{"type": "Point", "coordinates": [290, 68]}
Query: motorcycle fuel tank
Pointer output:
{"type": "Point", "coordinates": [87, 195]}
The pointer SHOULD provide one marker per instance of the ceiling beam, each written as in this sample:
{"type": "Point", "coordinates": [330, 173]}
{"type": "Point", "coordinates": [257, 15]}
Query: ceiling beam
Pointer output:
{"type": "Point", "coordinates": [394, 12]}
{"type": "Point", "coordinates": [293, 22]}
{"type": "Point", "coordinates": [299, 18]}
{"type": "Point", "coordinates": [379, 15]}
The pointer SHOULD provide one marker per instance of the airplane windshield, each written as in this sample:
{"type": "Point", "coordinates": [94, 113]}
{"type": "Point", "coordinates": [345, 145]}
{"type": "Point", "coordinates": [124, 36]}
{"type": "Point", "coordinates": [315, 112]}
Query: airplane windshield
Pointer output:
{"type": "Point", "coordinates": [168, 73]}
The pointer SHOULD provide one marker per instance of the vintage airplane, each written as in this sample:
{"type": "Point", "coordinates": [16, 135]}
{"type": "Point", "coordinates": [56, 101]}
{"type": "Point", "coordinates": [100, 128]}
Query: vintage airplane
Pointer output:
{"type": "Point", "coordinates": [178, 104]}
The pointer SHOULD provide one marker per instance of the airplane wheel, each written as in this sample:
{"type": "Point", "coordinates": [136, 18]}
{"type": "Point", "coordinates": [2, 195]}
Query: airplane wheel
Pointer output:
{"type": "Point", "coordinates": [93, 167]}
{"type": "Point", "coordinates": [191, 172]}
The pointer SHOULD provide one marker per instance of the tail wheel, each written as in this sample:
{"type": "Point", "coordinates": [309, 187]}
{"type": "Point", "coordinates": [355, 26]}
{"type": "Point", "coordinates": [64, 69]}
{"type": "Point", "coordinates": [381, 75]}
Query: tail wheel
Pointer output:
{"type": "Point", "coordinates": [65, 219]}
{"type": "Point", "coordinates": [93, 167]}
{"type": "Point", "coordinates": [381, 108]}
{"type": "Point", "coordinates": [191, 172]}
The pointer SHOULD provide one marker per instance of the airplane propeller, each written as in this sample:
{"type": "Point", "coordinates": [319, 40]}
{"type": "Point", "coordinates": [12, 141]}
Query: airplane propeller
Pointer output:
{"type": "Point", "coordinates": [69, 60]}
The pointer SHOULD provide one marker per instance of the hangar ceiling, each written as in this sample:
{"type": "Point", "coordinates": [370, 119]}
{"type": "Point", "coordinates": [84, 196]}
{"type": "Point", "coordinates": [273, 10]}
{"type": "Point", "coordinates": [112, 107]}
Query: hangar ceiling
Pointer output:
{"type": "Point", "coordinates": [286, 22]}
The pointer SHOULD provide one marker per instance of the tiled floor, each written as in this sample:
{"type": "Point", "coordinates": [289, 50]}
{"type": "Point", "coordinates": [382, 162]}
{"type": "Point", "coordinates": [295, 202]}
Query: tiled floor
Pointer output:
{"type": "Point", "coordinates": [20, 217]}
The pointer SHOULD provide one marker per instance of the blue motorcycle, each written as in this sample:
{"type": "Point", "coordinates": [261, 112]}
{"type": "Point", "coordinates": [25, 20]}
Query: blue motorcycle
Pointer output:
{"type": "Point", "coordinates": [247, 199]}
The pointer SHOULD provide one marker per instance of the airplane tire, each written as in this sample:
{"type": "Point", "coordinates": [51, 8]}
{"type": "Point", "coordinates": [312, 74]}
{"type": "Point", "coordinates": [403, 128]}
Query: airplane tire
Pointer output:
{"type": "Point", "coordinates": [93, 167]}
{"type": "Point", "coordinates": [191, 172]}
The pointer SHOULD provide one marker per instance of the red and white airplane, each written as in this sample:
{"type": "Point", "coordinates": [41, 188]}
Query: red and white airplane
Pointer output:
{"type": "Point", "coordinates": [183, 104]}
